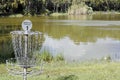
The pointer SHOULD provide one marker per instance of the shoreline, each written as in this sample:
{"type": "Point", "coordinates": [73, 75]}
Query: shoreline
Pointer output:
{"type": "Point", "coordinates": [63, 14]}
{"type": "Point", "coordinates": [106, 12]}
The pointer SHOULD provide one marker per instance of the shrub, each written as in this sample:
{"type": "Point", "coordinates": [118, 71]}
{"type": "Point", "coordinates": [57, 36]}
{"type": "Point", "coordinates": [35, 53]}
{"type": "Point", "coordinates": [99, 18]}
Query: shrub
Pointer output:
{"type": "Point", "coordinates": [59, 57]}
{"type": "Point", "coordinates": [46, 56]}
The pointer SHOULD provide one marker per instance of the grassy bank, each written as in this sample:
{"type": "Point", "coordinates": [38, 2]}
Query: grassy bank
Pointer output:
{"type": "Point", "coordinates": [72, 71]}
{"type": "Point", "coordinates": [106, 12]}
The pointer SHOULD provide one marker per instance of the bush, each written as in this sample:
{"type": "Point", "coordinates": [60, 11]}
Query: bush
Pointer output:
{"type": "Point", "coordinates": [59, 57]}
{"type": "Point", "coordinates": [46, 56]}
{"type": "Point", "coordinates": [79, 9]}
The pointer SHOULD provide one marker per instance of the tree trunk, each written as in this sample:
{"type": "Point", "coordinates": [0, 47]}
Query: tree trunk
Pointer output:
{"type": "Point", "coordinates": [107, 4]}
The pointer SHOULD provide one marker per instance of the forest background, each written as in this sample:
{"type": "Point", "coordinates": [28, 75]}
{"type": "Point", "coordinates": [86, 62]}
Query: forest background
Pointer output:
{"type": "Point", "coordinates": [47, 7]}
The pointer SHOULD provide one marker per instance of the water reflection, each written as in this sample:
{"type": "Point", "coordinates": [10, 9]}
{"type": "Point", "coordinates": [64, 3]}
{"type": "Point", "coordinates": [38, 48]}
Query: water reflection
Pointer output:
{"type": "Point", "coordinates": [6, 50]}
{"type": "Point", "coordinates": [86, 22]}
{"type": "Point", "coordinates": [84, 50]}
{"type": "Point", "coordinates": [76, 37]}
{"type": "Point", "coordinates": [83, 39]}
{"type": "Point", "coordinates": [81, 33]}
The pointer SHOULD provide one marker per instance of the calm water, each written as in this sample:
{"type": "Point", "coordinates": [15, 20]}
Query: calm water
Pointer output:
{"type": "Point", "coordinates": [76, 37]}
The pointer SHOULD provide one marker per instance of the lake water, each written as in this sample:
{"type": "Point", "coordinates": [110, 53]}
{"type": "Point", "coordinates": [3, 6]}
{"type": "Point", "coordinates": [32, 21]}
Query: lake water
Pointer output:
{"type": "Point", "coordinates": [78, 38]}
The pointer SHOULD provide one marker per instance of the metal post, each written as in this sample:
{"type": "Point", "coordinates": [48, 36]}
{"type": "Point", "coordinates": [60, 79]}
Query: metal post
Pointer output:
{"type": "Point", "coordinates": [26, 44]}
{"type": "Point", "coordinates": [26, 57]}
{"type": "Point", "coordinates": [24, 73]}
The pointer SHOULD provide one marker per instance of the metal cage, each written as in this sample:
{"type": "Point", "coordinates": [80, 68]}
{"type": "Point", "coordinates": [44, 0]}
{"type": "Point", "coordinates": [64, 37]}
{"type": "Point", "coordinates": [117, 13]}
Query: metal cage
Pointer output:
{"type": "Point", "coordinates": [26, 45]}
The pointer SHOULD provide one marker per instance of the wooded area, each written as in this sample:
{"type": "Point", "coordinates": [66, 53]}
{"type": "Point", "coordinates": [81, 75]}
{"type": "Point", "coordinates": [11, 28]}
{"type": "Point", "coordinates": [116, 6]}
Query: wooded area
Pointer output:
{"type": "Point", "coordinates": [37, 7]}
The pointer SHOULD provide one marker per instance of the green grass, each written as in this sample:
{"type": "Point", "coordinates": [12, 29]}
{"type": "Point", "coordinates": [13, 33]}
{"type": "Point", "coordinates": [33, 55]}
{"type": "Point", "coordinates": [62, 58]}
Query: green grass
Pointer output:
{"type": "Point", "coordinates": [72, 71]}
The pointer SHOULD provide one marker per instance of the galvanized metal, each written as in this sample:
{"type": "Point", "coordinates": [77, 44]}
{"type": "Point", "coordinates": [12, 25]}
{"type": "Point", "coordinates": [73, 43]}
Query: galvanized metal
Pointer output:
{"type": "Point", "coordinates": [26, 45]}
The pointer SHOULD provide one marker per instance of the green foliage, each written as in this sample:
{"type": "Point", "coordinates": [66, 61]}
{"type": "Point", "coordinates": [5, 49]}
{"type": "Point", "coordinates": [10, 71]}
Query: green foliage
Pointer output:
{"type": "Point", "coordinates": [79, 8]}
{"type": "Point", "coordinates": [104, 5]}
{"type": "Point", "coordinates": [59, 57]}
{"type": "Point", "coordinates": [7, 51]}
{"type": "Point", "coordinates": [46, 56]}
{"type": "Point", "coordinates": [106, 58]}
{"type": "Point", "coordinates": [33, 7]}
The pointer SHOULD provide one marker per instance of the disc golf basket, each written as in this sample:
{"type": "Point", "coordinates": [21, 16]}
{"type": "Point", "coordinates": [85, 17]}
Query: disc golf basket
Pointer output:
{"type": "Point", "coordinates": [26, 45]}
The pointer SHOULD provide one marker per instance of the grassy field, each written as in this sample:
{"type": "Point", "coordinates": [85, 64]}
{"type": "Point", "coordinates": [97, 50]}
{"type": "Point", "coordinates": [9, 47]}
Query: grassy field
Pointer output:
{"type": "Point", "coordinates": [99, 70]}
